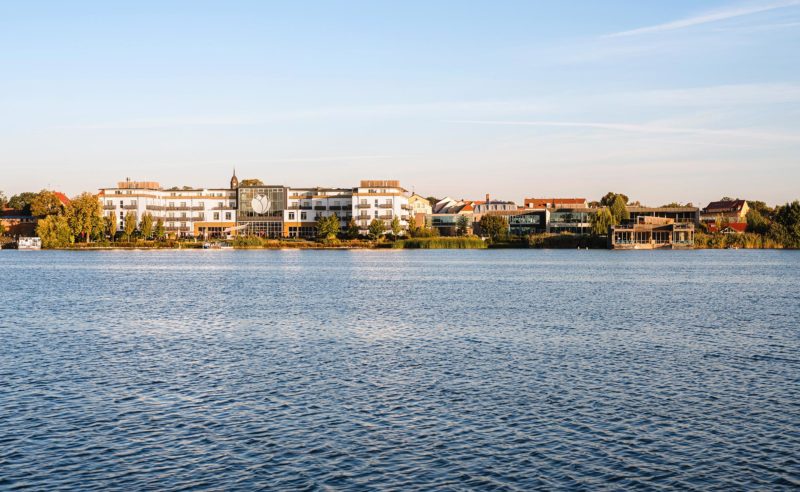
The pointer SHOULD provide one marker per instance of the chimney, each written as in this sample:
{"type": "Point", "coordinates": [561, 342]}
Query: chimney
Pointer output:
{"type": "Point", "coordinates": [487, 198]}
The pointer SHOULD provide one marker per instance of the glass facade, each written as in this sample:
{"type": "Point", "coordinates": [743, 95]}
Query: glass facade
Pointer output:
{"type": "Point", "coordinates": [527, 224]}
{"type": "Point", "coordinates": [261, 210]}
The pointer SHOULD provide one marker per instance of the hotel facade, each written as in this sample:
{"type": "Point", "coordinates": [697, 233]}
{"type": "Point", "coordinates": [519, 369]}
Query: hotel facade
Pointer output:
{"type": "Point", "coordinates": [186, 212]}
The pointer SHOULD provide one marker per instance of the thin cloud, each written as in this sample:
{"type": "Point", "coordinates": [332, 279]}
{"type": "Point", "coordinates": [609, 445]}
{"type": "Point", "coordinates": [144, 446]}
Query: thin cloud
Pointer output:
{"type": "Point", "coordinates": [642, 128]}
{"type": "Point", "coordinates": [714, 16]}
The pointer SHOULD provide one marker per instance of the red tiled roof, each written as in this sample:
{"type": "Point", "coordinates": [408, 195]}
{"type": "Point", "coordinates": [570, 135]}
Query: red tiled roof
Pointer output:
{"type": "Point", "coordinates": [62, 198]}
{"type": "Point", "coordinates": [734, 226]}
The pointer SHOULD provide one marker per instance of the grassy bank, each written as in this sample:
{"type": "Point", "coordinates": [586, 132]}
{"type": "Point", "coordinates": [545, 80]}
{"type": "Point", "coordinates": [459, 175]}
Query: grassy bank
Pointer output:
{"type": "Point", "coordinates": [747, 240]}
{"type": "Point", "coordinates": [468, 242]}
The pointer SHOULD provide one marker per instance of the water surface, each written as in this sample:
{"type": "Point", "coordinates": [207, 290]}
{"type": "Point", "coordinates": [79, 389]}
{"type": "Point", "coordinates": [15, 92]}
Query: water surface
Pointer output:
{"type": "Point", "coordinates": [508, 370]}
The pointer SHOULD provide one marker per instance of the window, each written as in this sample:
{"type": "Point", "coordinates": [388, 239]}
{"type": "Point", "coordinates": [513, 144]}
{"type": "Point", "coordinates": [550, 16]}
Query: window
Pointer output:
{"type": "Point", "coordinates": [227, 216]}
{"type": "Point", "coordinates": [219, 204]}
{"type": "Point", "coordinates": [291, 215]}
{"type": "Point", "coordinates": [183, 204]}
{"type": "Point", "coordinates": [376, 214]}
{"type": "Point", "coordinates": [120, 203]}
{"type": "Point", "coordinates": [302, 216]}
{"type": "Point", "coordinates": [201, 204]}
{"type": "Point", "coordinates": [376, 202]}
{"type": "Point", "coordinates": [216, 215]}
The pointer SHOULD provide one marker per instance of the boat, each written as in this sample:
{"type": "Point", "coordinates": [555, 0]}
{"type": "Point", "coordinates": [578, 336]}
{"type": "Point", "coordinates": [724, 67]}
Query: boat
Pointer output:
{"type": "Point", "coordinates": [29, 243]}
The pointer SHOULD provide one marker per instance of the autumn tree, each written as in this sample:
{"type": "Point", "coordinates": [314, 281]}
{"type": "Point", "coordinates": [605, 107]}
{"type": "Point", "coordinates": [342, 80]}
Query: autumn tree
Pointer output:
{"type": "Point", "coordinates": [160, 231]}
{"type": "Point", "coordinates": [129, 225]}
{"type": "Point", "coordinates": [111, 225]}
{"type": "Point", "coordinates": [396, 226]}
{"type": "Point", "coordinates": [85, 216]}
{"type": "Point", "coordinates": [146, 225]}
{"type": "Point", "coordinates": [251, 182]}
{"type": "Point", "coordinates": [21, 201]}
{"type": "Point", "coordinates": [54, 231]}
{"type": "Point", "coordinates": [328, 227]}
{"type": "Point", "coordinates": [376, 228]}
{"type": "Point", "coordinates": [46, 203]}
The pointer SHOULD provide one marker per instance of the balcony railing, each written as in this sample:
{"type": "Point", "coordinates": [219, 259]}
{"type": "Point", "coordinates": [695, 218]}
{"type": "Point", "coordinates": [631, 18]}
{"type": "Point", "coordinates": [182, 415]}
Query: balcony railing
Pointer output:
{"type": "Point", "coordinates": [155, 207]}
{"type": "Point", "coordinates": [385, 205]}
{"type": "Point", "coordinates": [385, 217]}
{"type": "Point", "coordinates": [130, 207]}
{"type": "Point", "coordinates": [363, 205]}
{"type": "Point", "coordinates": [109, 207]}
{"type": "Point", "coordinates": [406, 206]}
{"type": "Point", "coordinates": [320, 207]}
{"type": "Point", "coordinates": [181, 208]}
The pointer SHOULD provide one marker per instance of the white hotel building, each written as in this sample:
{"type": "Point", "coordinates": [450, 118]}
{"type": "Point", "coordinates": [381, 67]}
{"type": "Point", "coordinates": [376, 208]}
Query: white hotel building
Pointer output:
{"type": "Point", "coordinates": [199, 212]}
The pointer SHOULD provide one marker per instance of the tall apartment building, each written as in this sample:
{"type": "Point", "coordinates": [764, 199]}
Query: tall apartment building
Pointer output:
{"type": "Point", "coordinates": [186, 212]}
{"type": "Point", "coordinates": [380, 199]}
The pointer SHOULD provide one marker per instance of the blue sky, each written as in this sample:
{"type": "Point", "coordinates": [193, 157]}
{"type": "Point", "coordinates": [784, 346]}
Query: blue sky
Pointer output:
{"type": "Point", "coordinates": [665, 101]}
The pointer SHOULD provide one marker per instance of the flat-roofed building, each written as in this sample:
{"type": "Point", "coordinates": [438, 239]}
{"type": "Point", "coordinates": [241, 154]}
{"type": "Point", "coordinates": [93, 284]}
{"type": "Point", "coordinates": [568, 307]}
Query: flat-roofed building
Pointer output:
{"type": "Point", "coordinates": [538, 203]}
{"type": "Point", "coordinates": [304, 206]}
{"type": "Point", "coordinates": [261, 210]}
{"type": "Point", "coordinates": [574, 220]}
{"type": "Point", "coordinates": [527, 222]}
{"type": "Point", "coordinates": [186, 212]}
{"type": "Point", "coordinates": [384, 200]}
{"type": "Point", "coordinates": [678, 214]}
{"type": "Point", "coordinates": [652, 233]}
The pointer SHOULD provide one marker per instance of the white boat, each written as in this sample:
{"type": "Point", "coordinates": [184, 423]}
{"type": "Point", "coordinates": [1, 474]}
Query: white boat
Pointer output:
{"type": "Point", "coordinates": [29, 243]}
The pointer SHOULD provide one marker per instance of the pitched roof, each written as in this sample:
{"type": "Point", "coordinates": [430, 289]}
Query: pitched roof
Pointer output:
{"type": "Point", "coordinates": [62, 198]}
{"type": "Point", "coordinates": [725, 206]}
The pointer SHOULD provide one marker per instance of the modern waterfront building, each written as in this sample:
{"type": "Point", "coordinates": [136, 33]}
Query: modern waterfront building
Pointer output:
{"type": "Point", "coordinates": [527, 222]}
{"type": "Point", "coordinates": [186, 212]}
{"type": "Point", "coordinates": [652, 233]}
{"type": "Point", "coordinates": [446, 214]}
{"type": "Point", "coordinates": [678, 214]}
{"type": "Point", "coordinates": [552, 203]}
{"type": "Point", "coordinates": [17, 223]}
{"type": "Point", "coordinates": [261, 210]}
{"type": "Point", "coordinates": [492, 206]}
{"type": "Point", "coordinates": [575, 220]}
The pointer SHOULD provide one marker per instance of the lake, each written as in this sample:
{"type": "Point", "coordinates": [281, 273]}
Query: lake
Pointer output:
{"type": "Point", "coordinates": [403, 370]}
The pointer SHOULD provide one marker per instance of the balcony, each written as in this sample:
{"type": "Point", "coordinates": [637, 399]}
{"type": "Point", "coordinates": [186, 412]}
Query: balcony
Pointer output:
{"type": "Point", "coordinates": [385, 217]}
{"type": "Point", "coordinates": [406, 206]}
{"type": "Point", "coordinates": [337, 207]}
{"type": "Point", "coordinates": [109, 207]}
{"type": "Point", "coordinates": [155, 207]}
{"type": "Point", "coordinates": [385, 205]}
{"type": "Point", "coordinates": [130, 207]}
{"type": "Point", "coordinates": [182, 208]}
{"type": "Point", "coordinates": [320, 207]}
{"type": "Point", "coordinates": [363, 205]}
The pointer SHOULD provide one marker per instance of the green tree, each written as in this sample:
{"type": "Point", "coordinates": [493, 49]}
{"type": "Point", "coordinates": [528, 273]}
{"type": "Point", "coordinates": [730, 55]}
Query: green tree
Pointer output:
{"type": "Point", "coordinates": [22, 201]}
{"type": "Point", "coordinates": [54, 231]}
{"type": "Point", "coordinates": [762, 208]}
{"type": "Point", "coordinates": [328, 227]}
{"type": "Point", "coordinates": [396, 226]}
{"type": "Point", "coordinates": [462, 225]}
{"type": "Point", "coordinates": [251, 182]}
{"type": "Point", "coordinates": [494, 226]}
{"type": "Point", "coordinates": [609, 198]}
{"type": "Point", "coordinates": [3, 200]}
{"type": "Point", "coordinates": [376, 228]}
{"type": "Point", "coordinates": [788, 216]}
{"type": "Point", "coordinates": [111, 225]}
{"type": "Point", "coordinates": [129, 225]}
{"type": "Point", "coordinates": [352, 229]}
{"type": "Point", "coordinates": [46, 203]}
{"type": "Point", "coordinates": [160, 229]}
{"type": "Point", "coordinates": [619, 210]}
{"type": "Point", "coordinates": [756, 222]}
{"type": "Point", "coordinates": [146, 225]}
{"type": "Point", "coordinates": [601, 221]}
{"type": "Point", "coordinates": [85, 216]}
